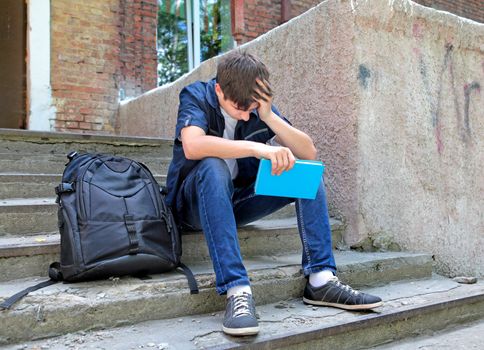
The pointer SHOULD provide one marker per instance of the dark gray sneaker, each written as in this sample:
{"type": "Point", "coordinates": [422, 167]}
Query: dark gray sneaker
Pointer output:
{"type": "Point", "coordinates": [336, 294]}
{"type": "Point", "coordinates": [240, 316]}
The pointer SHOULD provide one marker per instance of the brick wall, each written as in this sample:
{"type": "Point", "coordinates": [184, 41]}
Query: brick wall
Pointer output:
{"type": "Point", "coordinates": [261, 16]}
{"type": "Point", "coordinates": [252, 18]}
{"type": "Point", "coordinates": [255, 17]}
{"type": "Point", "coordinates": [300, 6]}
{"type": "Point", "coordinates": [473, 9]}
{"type": "Point", "coordinates": [138, 58]}
{"type": "Point", "coordinates": [98, 48]}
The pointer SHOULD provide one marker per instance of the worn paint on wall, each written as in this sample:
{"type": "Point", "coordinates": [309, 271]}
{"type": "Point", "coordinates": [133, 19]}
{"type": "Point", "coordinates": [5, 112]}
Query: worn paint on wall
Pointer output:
{"type": "Point", "coordinates": [42, 112]}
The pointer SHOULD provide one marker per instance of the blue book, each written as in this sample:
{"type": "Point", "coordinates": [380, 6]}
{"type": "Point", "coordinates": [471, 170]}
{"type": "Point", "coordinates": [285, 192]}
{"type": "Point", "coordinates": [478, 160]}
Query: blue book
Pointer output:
{"type": "Point", "coordinates": [302, 181]}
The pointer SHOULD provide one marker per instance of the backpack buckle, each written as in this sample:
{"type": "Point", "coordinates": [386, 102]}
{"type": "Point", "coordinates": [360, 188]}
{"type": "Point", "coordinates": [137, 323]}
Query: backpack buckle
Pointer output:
{"type": "Point", "coordinates": [65, 187]}
{"type": "Point", "coordinates": [71, 155]}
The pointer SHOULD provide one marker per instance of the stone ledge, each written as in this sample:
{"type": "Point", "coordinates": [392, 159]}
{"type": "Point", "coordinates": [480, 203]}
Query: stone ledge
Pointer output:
{"type": "Point", "coordinates": [65, 308]}
{"type": "Point", "coordinates": [30, 255]}
{"type": "Point", "coordinates": [56, 137]}
{"type": "Point", "coordinates": [411, 308]}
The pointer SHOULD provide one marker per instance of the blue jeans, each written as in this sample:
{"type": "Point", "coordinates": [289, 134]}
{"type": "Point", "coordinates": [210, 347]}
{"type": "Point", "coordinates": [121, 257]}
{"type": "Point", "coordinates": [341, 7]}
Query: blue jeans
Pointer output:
{"type": "Point", "coordinates": [208, 201]}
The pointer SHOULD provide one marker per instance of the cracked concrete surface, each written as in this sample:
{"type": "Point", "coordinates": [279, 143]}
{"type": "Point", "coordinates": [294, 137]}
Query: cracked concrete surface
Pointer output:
{"type": "Point", "coordinates": [278, 319]}
{"type": "Point", "coordinates": [468, 337]}
{"type": "Point", "coordinates": [111, 303]}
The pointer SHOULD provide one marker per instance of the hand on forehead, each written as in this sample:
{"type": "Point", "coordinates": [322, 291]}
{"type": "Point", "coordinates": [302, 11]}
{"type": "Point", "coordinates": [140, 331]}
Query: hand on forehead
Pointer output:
{"type": "Point", "coordinates": [263, 90]}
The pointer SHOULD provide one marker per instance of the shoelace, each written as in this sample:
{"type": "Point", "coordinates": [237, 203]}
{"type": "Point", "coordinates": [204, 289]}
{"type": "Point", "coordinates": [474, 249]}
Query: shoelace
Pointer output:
{"type": "Point", "coordinates": [343, 286]}
{"type": "Point", "coordinates": [241, 305]}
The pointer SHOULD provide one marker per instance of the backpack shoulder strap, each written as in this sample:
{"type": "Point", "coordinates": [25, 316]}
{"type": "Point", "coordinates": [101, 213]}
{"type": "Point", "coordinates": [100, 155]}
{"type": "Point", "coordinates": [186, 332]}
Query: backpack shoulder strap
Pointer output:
{"type": "Point", "coordinates": [55, 276]}
{"type": "Point", "coordinates": [192, 282]}
{"type": "Point", "coordinates": [14, 298]}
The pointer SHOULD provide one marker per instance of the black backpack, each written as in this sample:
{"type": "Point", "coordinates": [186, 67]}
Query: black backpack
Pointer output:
{"type": "Point", "coordinates": [113, 221]}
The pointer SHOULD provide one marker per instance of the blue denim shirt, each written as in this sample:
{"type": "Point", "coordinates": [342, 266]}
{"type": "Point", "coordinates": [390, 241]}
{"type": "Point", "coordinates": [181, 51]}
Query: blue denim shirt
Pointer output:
{"type": "Point", "coordinates": [199, 107]}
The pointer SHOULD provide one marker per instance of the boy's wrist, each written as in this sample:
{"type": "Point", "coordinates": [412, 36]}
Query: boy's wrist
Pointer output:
{"type": "Point", "coordinates": [265, 117]}
{"type": "Point", "coordinates": [256, 149]}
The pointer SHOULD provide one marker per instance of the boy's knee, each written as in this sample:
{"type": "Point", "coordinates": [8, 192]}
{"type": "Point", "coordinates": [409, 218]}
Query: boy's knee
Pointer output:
{"type": "Point", "coordinates": [214, 164]}
{"type": "Point", "coordinates": [214, 168]}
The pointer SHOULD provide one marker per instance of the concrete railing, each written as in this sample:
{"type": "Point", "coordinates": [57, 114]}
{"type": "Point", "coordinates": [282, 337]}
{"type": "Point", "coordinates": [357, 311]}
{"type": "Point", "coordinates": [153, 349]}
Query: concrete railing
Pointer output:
{"type": "Point", "coordinates": [390, 92]}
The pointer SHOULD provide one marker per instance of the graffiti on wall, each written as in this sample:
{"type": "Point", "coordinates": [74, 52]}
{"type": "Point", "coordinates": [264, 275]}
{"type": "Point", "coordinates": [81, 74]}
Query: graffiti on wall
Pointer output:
{"type": "Point", "coordinates": [364, 75]}
{"type": "Point", "coordinates": [435, 98]}
{"type": "Point", "coordinates": [468, 89]}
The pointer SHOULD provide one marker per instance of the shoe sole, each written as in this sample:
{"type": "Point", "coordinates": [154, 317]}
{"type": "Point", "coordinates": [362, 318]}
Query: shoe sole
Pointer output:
{"type": "Point", "coordinates": [241, 331]}
{"type": "Point", "coordinates": [343, 306]}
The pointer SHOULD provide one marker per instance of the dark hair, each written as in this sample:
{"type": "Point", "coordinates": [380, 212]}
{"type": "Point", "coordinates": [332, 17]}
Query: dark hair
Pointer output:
{"type": "Point", "coordinates": [237, 73]}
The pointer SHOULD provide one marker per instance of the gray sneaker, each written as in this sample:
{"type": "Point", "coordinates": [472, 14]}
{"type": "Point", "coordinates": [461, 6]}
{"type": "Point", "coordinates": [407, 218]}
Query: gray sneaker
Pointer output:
{"type": "Point", "coordinates": [336, 294]}
{"type": "Point", "coordinates": [240, 316]}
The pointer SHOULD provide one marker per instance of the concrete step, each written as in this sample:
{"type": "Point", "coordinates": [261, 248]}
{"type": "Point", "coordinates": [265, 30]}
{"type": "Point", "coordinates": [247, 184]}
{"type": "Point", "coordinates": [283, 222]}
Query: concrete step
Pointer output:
{"type": "Point", "coordinates": [65, 308]}
{"type": "Point", "coordinates": [29, 216]}
{"type": "Point", "coordinates": [24, 256]}
{"type": "Point", "coordinates": [32, 152]}
{"type": "Point", "coordinates": [463, 336]}
{"type": "Point", "coordinates": [410, 308]}
{"type": "Point", "coordinates": [25, 163]}
{"type": "Point", "coordinates": [16, 185]}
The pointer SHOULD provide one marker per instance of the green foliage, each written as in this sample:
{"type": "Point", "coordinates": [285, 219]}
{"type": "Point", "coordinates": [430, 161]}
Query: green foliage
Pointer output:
{"type": "Point", "coordinates": [211, 33]}
{"type": "Point", "coordinates": [215, 36]}
{"type": "Point", "coordinates": [172, 47]}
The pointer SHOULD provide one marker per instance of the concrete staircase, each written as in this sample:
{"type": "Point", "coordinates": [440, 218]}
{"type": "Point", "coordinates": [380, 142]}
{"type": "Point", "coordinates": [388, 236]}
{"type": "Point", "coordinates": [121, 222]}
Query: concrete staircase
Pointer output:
{"type": "Point", "coordinates": [31, 164]}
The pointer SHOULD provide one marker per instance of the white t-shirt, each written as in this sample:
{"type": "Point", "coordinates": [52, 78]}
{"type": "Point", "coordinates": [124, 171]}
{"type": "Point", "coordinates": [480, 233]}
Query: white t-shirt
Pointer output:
{"type": "Point", "coordinates": [229, 131]}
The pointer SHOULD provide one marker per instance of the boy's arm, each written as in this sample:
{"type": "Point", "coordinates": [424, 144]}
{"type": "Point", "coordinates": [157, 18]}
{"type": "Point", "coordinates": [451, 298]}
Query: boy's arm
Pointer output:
{"type": "Point", "coordinates": [286, 135]}
{"type": "Point", "coordinates": [198, 145]}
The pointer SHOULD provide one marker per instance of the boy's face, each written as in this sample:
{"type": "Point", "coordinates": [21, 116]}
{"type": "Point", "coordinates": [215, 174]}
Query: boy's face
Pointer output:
{"type": "Point", "coordinates": [231, 108]}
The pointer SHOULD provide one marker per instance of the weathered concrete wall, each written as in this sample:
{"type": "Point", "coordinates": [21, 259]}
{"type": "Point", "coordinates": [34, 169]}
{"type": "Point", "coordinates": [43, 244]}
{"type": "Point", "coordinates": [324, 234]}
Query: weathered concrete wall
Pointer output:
{"type": "Point", "coordinates": [390, 92]}
{"type": "Point", "coordinates": [420, 132]}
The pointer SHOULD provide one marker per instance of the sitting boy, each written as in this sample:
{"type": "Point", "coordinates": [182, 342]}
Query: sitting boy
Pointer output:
{"type": "Point", "coordinates": [224, 127]}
